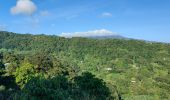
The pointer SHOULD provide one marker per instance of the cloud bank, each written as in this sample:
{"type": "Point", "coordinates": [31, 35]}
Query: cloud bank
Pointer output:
{"type": "Point", "coordinates": [26, 7]}
{"type": "Point", "coordinates": [44, 13]}
{"type": "Point", "coordinates": [3, 27]}
{"type": "Point", "coordinates": [101, 32]}
{"type": "Point", "coordinates": [106, 14]}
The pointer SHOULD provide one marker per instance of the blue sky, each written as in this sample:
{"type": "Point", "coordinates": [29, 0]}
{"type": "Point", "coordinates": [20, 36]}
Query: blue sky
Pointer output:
{"type": "Point", "coordinates": [140, 19]}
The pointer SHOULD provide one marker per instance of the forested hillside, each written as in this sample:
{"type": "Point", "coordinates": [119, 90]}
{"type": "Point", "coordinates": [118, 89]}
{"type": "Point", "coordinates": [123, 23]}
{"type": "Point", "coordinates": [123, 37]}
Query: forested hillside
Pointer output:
{"type": "Point", "coordinates": [58, 68]}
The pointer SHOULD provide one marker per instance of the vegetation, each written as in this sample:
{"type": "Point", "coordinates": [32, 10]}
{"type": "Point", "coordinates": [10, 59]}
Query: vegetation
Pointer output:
{"type": "Point", "coordinates": [56, 68]}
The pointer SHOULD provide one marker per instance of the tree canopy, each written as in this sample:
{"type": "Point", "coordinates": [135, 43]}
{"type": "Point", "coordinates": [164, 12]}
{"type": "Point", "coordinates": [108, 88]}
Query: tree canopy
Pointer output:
{"type": "Point", "coordinates": [61, 68]}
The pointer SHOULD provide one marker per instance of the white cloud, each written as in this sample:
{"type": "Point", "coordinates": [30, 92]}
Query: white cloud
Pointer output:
{"type": "Point", "coordinates": [106, 14]}
{"type": "Point", "coordinates": [44, 13]}
{"type": "Point", "coordinates": [72, 16]}
{"type": "Point", "coordinates": [53, 25]}
{"type": "Point", "coordinates": [3, 27]}
{"type": "Point", "coordinates": [26, 7]}
{"type": "Point", "coordinates": [101, 32]}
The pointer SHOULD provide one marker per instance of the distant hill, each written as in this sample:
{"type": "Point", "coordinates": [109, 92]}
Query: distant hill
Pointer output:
{"type": "Point", "coordinates": [100, 37]}
{"type": "Point", "coordinates": [108, 37]}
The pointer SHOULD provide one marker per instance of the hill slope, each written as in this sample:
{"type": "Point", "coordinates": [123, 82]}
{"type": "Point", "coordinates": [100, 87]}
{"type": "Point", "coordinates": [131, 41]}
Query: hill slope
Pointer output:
{"type": "Point", "coordinates": [136, 67]}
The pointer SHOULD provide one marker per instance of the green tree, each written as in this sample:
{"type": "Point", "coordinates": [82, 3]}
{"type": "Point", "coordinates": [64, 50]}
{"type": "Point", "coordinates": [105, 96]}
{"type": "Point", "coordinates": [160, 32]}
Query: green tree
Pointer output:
{"type": "Point", "coordinates": [56, 88]}
{"type": "Point", "coordinates": [92, 87]}
{"type": "Point", "coordinates": [24, 73]}
{"type": "Point", "coordinates": [1, 63]}
{"type": "Point", "coordinates": [42, 61]}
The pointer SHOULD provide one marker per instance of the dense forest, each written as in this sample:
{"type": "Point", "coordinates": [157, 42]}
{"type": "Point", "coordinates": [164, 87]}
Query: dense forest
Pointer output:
{"type": "Point", "coordinates": [48, 67]}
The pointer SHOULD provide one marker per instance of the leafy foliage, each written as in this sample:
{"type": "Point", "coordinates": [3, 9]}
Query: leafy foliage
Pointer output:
{"type": "Point", "coordinates": [128, 68]}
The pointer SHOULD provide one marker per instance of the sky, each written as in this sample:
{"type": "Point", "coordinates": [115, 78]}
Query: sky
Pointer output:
{"type": "Point", "coordinates": [139, 19]}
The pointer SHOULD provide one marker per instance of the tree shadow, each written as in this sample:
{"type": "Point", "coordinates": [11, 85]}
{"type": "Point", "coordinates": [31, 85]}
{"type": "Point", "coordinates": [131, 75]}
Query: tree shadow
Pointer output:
{"type": "Point", "coordinates": [7, 86]}
{"type": "Point", "coordinates": [84, 87]}
{"type": "Point", "coordinates": [91, 87]}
